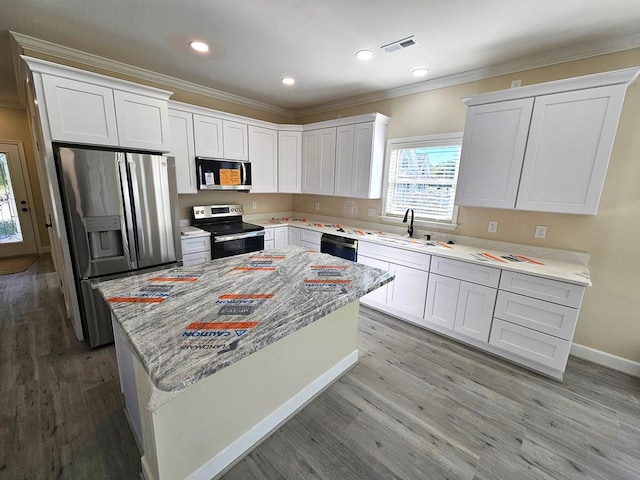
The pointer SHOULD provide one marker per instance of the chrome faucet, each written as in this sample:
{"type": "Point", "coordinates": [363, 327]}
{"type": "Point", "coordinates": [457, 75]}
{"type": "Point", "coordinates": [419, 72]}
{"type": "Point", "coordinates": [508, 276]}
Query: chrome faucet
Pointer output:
{"type": "Point", "coordinates": [404, 220]}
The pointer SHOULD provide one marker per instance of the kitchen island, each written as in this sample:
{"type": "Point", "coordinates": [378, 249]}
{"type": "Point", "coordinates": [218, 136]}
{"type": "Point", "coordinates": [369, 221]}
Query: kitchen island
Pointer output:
{"type": "Point", "coordinates": [214, 357]}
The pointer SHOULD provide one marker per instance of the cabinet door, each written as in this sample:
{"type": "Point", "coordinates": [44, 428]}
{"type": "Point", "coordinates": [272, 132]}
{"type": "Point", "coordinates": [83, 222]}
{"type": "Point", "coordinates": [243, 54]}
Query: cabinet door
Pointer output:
{"type": "Point", "coordinates": [143, 122]}
{"type": "Point", "coordinates": [281, 237]}
{"type": "Point", "coordinates": [269, 244]}
{"type": "Point", "coordinates": [474, 311]}
{"type": "Point", "coordinates": [311, 246]}
{"type": "Point", "coordinates": [366, 163]}
{"type": "Point", "coordinates": [377, 298]}
{"type": "Point", "coordinates": [196, 258]}
{"type": "Point", "coordinates": [442, 301]}
{"type": "Point", "coordinates": [493, 146]}
{"type": "Point", "coordinates": [294, 236]}
{"type": "Point", "coordinates": [235, 142]}
{"type": "Point", "coordinates": [290, 162]}
{"type": "Point", "coordinates": [310, 161]}
{"type": "Point", "coordinates": [263, 154]}
{"type": "Point", "coordinates": [408, 292]}
{"type": "Point", "coordinates": [344, 160]}
{"type": "Point", "coordinates": [182, 147]}
{"type": "Point", "coordinates": [208, 136]}
{"type": "Point", "coordinates": [80, 112]}
{"type": "Point", "coordinates": [570, 142]}
{"type": "Point", "coordinates": [326, 161]}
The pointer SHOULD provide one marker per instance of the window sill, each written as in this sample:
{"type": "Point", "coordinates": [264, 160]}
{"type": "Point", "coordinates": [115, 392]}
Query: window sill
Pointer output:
{"type": "Point", "coordinates": [422, 223]}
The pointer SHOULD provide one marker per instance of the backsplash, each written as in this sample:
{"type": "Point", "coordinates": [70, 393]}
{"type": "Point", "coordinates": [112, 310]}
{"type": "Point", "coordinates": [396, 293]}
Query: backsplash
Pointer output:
{"type": "Point", "coordinates": [265, 202]}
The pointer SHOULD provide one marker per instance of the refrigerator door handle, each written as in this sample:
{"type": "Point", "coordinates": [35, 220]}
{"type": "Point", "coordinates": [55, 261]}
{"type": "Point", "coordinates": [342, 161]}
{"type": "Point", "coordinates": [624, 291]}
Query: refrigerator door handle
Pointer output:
{"type": "Point", "coordinates": [129, 239]}
{"type": "Point", "coordinates": [135, 187]}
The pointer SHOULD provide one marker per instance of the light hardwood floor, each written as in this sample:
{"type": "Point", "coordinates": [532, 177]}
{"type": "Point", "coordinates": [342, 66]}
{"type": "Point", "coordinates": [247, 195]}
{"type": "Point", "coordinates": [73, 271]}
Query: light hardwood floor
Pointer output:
{"type": "Point", "coordinates": [417, 406]}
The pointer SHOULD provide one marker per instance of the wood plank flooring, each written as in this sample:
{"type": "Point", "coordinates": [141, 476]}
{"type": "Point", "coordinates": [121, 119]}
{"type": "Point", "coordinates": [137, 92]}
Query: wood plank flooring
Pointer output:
{"type": "Point", "coordinates": [416, 406]}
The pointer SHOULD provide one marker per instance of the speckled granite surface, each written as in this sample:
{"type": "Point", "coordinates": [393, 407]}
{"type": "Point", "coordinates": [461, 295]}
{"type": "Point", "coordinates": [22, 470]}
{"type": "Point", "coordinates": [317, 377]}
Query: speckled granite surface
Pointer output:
{"type": "Point", "coordinates": [187, 323]}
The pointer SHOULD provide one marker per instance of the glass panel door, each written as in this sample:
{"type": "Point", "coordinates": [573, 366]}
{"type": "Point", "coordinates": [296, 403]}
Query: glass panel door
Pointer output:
{"type": "Point", "coordinates": [10, 230]}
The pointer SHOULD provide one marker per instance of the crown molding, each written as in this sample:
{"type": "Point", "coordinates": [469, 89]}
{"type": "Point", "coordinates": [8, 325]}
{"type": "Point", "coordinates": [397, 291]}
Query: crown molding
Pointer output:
{"type": "Point", "coordinates": [543, 59]}
{"type": "Point", "coordinates": [71, 54]}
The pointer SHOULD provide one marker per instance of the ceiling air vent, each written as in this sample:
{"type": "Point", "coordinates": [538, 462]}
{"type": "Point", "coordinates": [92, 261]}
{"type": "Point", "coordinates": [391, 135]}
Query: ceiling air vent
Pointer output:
{"type": "Point", "coordinates": [400, 44]}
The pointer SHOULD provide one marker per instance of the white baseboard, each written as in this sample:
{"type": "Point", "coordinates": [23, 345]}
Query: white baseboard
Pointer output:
{"type": "Point", "coordinates": [228, 457]}
{"type": "Point", "coordinates": [605, 359]}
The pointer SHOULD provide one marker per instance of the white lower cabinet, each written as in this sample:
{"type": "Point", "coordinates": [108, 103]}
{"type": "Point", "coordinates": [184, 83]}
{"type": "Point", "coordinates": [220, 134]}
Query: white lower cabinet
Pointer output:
{"type": "Point", "coordinates": [405, 296]}
{"type": "Point", "coordinates": [408, 292]}
{"type": "Point", "coordinates": [294, 236]}
{"type": "Point", "coordinates": [474, 311]}
{"type": "Point", "coordinates": [196, 250]}
{"type": "Point", "coordinates": [526, 319]}
{"type": "Point", "coordinates": [463, 307]}
{"type": "Point", "coordinates": [310, 240]}
{"type": "Point", "coordinates": [281, 236]}
{"type": "Point", "coordinates": [530, 345]}
{"type": "Point", "coordinates": [377, 298]}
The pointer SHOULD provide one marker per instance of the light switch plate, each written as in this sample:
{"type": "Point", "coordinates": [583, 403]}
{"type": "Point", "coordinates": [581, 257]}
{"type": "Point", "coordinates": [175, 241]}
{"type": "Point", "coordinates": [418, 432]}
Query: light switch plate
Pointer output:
{"type": "Point", "coordinates": [350, 209]}
{"type": "Point", "coordinates": [493, 226]}
{"type": "Point", "coordinates": [317, 205]}
{"type": "Point", "coordinates": [254, 205]}
{"type": "Point", "coordinates": [371, 212]}
{"type": "Point", "coordinates": [541, 231]}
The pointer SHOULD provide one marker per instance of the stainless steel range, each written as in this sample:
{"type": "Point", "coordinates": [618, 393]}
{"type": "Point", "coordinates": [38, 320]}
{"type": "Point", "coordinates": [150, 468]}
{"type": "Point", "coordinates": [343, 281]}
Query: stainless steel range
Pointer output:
{"type": "Point", "coordinates": [229, 234]}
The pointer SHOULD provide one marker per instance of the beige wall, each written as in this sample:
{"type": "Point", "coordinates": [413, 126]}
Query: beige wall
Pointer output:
{"type": "Point", "coordinates": [265, 202]}
{"type": "Point", "coordinates": [609, 320]}
{"type": "Point", "coordinates": [15, 127]}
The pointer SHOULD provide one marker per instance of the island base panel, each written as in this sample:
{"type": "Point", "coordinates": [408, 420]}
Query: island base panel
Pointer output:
{"type": "Point", "coordinates": [205, 430]}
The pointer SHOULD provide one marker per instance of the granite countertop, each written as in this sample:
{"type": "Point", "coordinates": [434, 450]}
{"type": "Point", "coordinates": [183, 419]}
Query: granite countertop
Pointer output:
{"type": "Point", "coordinates": [522, 259]}
{"type": "Point", "coordinates": [187, 323]}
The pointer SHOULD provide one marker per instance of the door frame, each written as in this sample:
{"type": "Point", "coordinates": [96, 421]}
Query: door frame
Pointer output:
{"type": "Point", "coordinates": [25, 175]}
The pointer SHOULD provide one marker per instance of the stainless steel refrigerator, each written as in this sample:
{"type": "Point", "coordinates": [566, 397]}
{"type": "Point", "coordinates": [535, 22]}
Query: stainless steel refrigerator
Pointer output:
{"type": "Point", "coordinates": [121, 212]}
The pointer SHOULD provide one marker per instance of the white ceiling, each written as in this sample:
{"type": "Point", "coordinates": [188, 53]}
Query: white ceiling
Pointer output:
{"type": "Point", "coordinates": [257, 42]}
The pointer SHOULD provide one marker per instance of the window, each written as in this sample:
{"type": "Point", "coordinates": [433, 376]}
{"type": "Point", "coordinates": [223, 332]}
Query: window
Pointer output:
{"type": "Point", "coordinates": [422, 174]}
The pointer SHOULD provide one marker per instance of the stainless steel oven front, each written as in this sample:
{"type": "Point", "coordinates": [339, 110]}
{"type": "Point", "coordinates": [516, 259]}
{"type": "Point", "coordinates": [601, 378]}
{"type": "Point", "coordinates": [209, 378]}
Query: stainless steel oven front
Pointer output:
{"type": "Point", "coordinates": [237, 243]}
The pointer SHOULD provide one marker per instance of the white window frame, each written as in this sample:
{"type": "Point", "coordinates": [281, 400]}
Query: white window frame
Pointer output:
{"type": "Point", "coordinates": [413, 142]}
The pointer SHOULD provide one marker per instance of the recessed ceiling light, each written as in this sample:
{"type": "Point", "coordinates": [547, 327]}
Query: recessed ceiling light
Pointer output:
{"type": "Point", "coordinates": [199, 46]}
{"type": "Point", "coordinates": [420, 72]}
{"type": "Point", "coordinates": [288, 80]}
{"type": "Point", "coordinates": [364, 54]}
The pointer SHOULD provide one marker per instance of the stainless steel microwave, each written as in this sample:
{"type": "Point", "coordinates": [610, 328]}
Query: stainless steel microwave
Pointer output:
{"type": "Point", "coordinates": [220, 174]}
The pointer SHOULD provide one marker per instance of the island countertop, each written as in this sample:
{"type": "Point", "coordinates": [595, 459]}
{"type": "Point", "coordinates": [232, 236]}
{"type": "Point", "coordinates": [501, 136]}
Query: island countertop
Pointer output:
{"type": "Point", "coordinates": [187, 323]}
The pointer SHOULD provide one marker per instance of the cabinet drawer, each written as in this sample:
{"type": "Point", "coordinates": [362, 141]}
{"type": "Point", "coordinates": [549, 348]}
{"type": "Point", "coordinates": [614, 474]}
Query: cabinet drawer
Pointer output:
{"type": "Point", "coordinates": [197, 244]}
{"type": "Point", "coordinates": [529, 344]}
{"type": "Point", "coordinates": [312, 246]}
{"type": "Point", "coordinates": [400, 256]}
{"type": "Point", "coordinates": [268, 234]}
{"type": "Point", "coordinates": [546, 317]}
{"type": "Point", "coordinates": [470, 272]}
{"type": "Point", "coordinates": [195, 258]}
{"type": "Point", "coordinates": [537, 287]}
{"type": "Point", "coordinates": [310, 236]}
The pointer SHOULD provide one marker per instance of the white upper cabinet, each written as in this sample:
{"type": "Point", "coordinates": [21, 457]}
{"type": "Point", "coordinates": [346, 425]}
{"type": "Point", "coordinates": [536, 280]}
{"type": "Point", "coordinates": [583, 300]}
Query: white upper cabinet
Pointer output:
{"type": "Point", "coordinates": [573, 136]}
{"type": "Point", "coordinates": [143, 122]}
{"type": "Point", "coordinates": [359, 159]}
{"type": "Point", "coordinates": [542, 147]}
{"type": "Point", "coordinates": [235, 140]}
{"type": "Point", "coordinates": [208, 136]}
{"type": "Point", "coordinates": [183, 149]}
{"type": "Point", "coordinates": [263, 154]}
{"type": "Point", "coordinates": [356, 160]}
{"type": "Point", "coordinates": [91, 109]}
{"type": "Point", "coordinates": [493, 146]}
{"type": "Point", "coordinates": [290, 161]}
{"type": "Point", "coordinates": [319, 161]}
{"type": "Point", "coordinates": [80, 112]}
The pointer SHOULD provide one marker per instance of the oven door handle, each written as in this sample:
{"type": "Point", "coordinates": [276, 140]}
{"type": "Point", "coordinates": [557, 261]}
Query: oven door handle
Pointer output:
{"type": "Point", "coordinates": [238, 236]}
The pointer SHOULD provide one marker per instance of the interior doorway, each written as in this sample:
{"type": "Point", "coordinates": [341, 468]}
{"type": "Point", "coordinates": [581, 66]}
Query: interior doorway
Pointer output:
{"type": "Point", "coordinates": [17, 220]}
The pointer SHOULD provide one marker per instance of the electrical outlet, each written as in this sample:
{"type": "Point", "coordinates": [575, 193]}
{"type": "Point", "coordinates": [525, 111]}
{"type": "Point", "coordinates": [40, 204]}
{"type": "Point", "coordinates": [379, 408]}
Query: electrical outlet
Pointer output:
{"type": "Point", "coordinates": [493, 226]}
{"type": "Point", "coordinates": [350, 209]}
{"type": "Point", "coordinates": [541, 231]}
{"type": "Point", "coordinates": [317, 205]}
{"type": "Point", "coordinates": [516, 83]}
{"type": "Point", "coordinates": [371, 212]}
{"type": "Point", "coordinates": [254, 205]}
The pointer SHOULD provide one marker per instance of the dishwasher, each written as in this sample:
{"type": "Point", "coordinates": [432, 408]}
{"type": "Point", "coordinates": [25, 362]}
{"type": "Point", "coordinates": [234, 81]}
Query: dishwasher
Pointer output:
{"type": "Point", "coordinates": [338, 246]}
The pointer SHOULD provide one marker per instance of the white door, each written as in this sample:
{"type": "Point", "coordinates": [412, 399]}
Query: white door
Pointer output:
{"type": "Point", "coordinates": [474, 312]}
{"type": "Point", "coordinates": [408, 292]}
{"type": "Point", "coordinates": [263, 154]}
{"type": "Point", "coordinates": [17, 233]}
